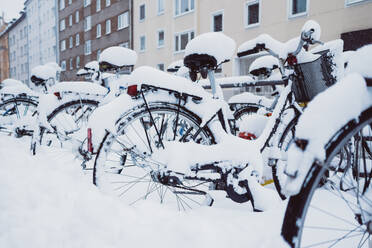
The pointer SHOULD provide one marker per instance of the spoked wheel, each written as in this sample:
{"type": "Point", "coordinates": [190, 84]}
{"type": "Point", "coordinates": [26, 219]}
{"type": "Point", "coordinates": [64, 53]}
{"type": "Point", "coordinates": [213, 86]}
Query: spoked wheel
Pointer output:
{"type": "Point", "coordinates": [16, 115]}
{"type": "Point", "coordinates": [69, 122]}
{"type": "Point", "coordinates": [334, 206]}
{"type": "Point", "coordinates": [124, 166]}
{"type": "Point", "coordinates": [242, 113]}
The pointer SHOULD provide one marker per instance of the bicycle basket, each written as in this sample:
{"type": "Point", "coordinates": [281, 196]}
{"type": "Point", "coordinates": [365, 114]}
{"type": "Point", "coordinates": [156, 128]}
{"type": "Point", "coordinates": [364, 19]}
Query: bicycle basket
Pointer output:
{"type": "Point", "coordinates": [313, 77]}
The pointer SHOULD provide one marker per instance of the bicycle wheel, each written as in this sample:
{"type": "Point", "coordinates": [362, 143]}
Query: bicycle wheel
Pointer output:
{"type": "Point", "coordinates": [337, 212]}
{"type": "Point", "coordinates": [277, 169]}
{"type": "Point", "coordinates": [69, 122]}
{"type": "Point", "coordinates": [16, 114]}
{"type": "Point", "coordinates": [124, 166]}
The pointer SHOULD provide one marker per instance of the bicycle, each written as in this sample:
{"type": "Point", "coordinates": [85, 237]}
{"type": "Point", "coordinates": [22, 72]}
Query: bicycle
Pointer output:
{"type": "Point", "coordinates": [165, 108]}
{"type": "Point", "coordinates": [330, 172]}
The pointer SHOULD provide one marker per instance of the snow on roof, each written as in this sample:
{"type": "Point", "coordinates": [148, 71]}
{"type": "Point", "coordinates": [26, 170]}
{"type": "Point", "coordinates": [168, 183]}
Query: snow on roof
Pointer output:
{"type": "Point", "coordinates": [215, 44]}
{"type": "Point", "coordinates": [92, 65]}
{"type": "Point", "coordinates": [44, 72]}
{"type": "Point", "coordinates": [119, 56]}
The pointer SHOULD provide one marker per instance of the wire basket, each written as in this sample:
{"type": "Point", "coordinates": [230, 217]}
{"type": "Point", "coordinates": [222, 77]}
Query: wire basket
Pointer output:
{"type": "Point", "coordinates": [313, 77]}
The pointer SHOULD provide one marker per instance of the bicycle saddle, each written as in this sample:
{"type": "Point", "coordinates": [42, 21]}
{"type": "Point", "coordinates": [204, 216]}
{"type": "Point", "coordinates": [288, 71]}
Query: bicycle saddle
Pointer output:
{"type": "Point", "coordinates": [117, 58]}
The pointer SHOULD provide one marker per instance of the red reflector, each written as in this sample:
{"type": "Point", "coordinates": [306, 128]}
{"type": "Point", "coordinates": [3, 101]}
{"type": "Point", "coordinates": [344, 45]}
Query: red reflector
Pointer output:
{"type": "Point", "coordinates": [58, 95]}
{"type": "Point", "coordinates": [89, 140]}
{"type": "Point", "coordinates": [132, 90]}
{"type": "Point", "coordinates": [292, 60]}
{"type": "Point", "coordinates": [246, 135]}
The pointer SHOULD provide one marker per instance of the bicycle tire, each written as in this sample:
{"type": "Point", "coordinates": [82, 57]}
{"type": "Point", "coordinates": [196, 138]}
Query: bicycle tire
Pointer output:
{"type": "Point", "coordinates": [107, 173]}
{"type": "Point", "coordinates": [15, 102]}
{"type": "Point", "coordinates": [298, 206]}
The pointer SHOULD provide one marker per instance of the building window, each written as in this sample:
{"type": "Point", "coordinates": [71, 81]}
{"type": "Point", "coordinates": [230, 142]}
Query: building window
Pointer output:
{"type": "Point", "coordinates": [71, 42]}
{"type": "Point", "coordinates": [160, 7]}
{"type": "Point", "coordinates": [123, 20]}
{"type": "Point", "coordinates": [108, 26]}
{"type": "Point", "coordinates": [217, 21]}
{"type": "Point", "coordinates": [87, 47]}
{"type": "Point", "coordinates": [62, 25]}
{"type": "Point", "coordinates": [61, 4]}
{"type": "Point", "coordinates": [161, 38]}
{"type": "Point", "coordinates": [252, 16]}
{"type": "Point", "coordinates": [142, 14]}
{"type": "Point", "coordinates": [70, 20]}
{"type": "Point", "coordinates": [77, 40]}
{"type": "Point", "coordinates": [297, 7]}
{"type": "Point", "coordinates": [77, 62]}
{"type": "Point", "coordinates": [71, 65]}
{"type": "Point", "coordinates": [86, 3]}
{"type": "Point", "coordinates": [77, 16]}
{"type": "Point", "coordinates": [63, 65]}
{"type": "Point", "coordinates": [181, 40]}
{"type": "Point", "coordinates": [160, 67]}
{"type": "Point", "coordinates": [349, 2]}
{"type": "Point", "coordinates": [98, 54]}
{"type": "Point", "coordinates": [98, 30]}
{"type": "Point", "coordinates": [63, 45]}
{"type": "Point", "coordinates": [87, 23]}
{"type": "Point", "coordinates": [183, 6]}
{"type": "Point", "coordinates": [142, 43]}
{"type": "Point", "coordinates": [69, 2]}
{"type": "Point", "coordinates": [98, 5]}
{"type": "Point", "coordinates": [108, 2]}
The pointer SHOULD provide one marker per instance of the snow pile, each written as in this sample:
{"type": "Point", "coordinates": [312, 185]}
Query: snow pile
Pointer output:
{"type": "Point", "coordinates": [48, 202]}
{"type": "Point", "coordinates": [248, 97]}
{"type": "Point", "coordinates": [174, 66]}
{"type": "Point", "coordinates": [267, 61]}
{"type": "Point", "coordinates": [79, 87]}
{"type": "Point", "coordinates": [92, 66]}
{"type": "Point", "coordinates": [118, 56]}
{"type": "Point", "coordinates": [238, 81]}
{"type": "Point", "coordinates": [15, 87]}
{"type": "Point", "coordinates": [254, 123]}
{"type": "Point", "coordinates": [361, 62]}
{"type": "Point", "coordinates": [82, 72]}
{"type": "Point", "coordinates": [215, 44]}
{"type": "Point", "coordinates": [312, 25]}
{"type": "Point", "coordinates": [327, 116]}
{"type": "Point", "coordinates": [10, 82]}
{"type": "Point", "coordinates": [55, 66]}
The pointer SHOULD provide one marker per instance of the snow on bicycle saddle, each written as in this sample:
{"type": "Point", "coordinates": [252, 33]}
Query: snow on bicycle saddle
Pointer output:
{"type": "Point", "coordinates": [263, 66]}
{"type": "Point", "coordinates": [208, 50]}
{"type": "Point", "coordinates": [115, 57]}
{"type": "Point", "coordinates": [92, 66]}
{"type": "Point", "coordinates": [41, 73]}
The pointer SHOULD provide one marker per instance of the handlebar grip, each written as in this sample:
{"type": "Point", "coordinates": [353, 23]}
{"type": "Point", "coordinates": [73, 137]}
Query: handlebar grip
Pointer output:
{"type": "Point", "coordinates": [258, 48]}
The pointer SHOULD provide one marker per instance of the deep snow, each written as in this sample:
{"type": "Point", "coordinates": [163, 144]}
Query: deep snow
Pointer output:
{"type": "Point", "coordinates": [48, 201]}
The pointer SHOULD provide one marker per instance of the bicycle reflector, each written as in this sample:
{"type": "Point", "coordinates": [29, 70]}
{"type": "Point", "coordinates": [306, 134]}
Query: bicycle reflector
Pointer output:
{"type": "Point", "coordinates": [132, 90]}
{"type": "Point", "coordinates": [58, 95]}
{"type": "Point", "coordinates": [292, 60]}
{"type": "Point", "coordinates": [89, 140]}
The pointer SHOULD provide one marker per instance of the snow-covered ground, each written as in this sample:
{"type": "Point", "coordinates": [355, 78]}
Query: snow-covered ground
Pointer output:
{"type": "Point", "coordinates": [48, 201]}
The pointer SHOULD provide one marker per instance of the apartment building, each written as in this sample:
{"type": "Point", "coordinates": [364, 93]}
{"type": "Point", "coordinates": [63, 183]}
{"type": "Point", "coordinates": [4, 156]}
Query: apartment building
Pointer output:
{"type": "Point", "coordinates": [162, 28]}
{"type": "Point", "coordinates": [4, 50]}
{"type": "Point", "coordinates": [18, 49]}
{"type": "Point", "coordinates": [42, 31]}
{"type": "Point", "coordinates": [87, 27]}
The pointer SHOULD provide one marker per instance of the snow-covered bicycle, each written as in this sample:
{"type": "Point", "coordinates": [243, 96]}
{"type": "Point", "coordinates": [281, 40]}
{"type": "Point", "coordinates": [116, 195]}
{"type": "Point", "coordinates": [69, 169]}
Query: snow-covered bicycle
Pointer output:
{"type": "Point", "coordinates": [143, 151]}
{"type": "Point", "coordinates": [330, 165]}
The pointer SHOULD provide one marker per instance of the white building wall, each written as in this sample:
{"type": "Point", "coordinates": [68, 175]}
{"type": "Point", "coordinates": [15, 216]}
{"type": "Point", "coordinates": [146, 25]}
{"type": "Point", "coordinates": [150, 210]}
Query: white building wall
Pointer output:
{"type": "Point", "coordinates": [42, 35]}
{"type": "Point", "coordinates": [18, 52]}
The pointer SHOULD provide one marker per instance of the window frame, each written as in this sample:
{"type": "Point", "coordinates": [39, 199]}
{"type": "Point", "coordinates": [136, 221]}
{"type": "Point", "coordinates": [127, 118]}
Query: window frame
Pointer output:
{"type": "Point", "coordinates": [125, 14]}
{"type": "Point", "coordinates": [107, 30]}
{"type": "Point", "coordinates": [63, 65]}
{"type": "Point", "coordinates": [144, 12]}
{"type": "Point", "coordinates": [98, 5]}
{"type": "Point", "coordinates": [86, 28]}
{"type": "Point", "coordinates": [291, 15]}
{"type": "Point", "coordinates": [62, 4]}
{"type": "Point", "coordinates": [86, 46]}
{"type": "Point", "coordinates": [71, 42]}
{"type": "Point", "coordinates": [246, 13]}
{"type": "Point", "coordinates": [158, 33]}
{"type": "Point", "coordinates": [87, 3]}
{"type": "Point", "coordinates": [160, 11]}
{"type": "Point", "coordinates": [107, 3]}
{"type": "Point", "coordinates": [140, 43]}
{"type": "Point", "coordinates": [77, 61]}
{"type": "Point", "coordinates": [62, 24]}
{"type": "Point", "coordinates": [77, 39]}
{"type": "Point", "coordinates": [179, 34]}
{"type": "Point", "coordinates": [159, 65]}
{"type": "Point", "coordinates": [349, 3]}
{"type": "Point", "coordinates": [71, 65]}
{"type": "Point", "coordinates": [220, 12]}
{"type": "Point", "coordinates": [70, 20]}
{"type": "Point", "coordinates": [98, 27]}
{"type": "Point", "coordinates": [63, 45]}
{"type": "Point", "coordinates": [77, 16]}
{"type": "Point", "coordinates": [180, 13]}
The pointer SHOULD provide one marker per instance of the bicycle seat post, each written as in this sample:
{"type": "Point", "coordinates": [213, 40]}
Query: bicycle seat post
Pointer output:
{"type": "Point", "coordinates": [212, 80]}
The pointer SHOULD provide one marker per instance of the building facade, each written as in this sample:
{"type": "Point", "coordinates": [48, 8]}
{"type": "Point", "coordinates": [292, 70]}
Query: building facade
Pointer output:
{"type": "Point", "coordinates": [162, 28]}
{"type": "Point", "coordinates": [42, 31]}
{"type": "Point", "coordinates": [87, 27]}
{"type": "Point", "coordinates": [4, 50]}
{"type": "Point", "coordinates": [18, 50]}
